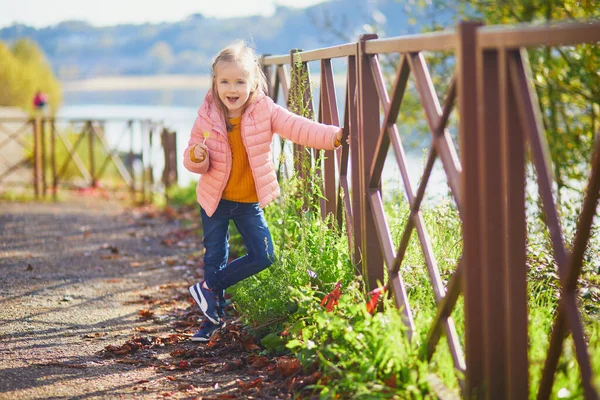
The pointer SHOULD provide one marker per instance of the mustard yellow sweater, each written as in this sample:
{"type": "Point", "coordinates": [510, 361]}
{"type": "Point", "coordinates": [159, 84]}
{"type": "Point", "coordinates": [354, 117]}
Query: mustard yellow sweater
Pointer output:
{"type": "Point", "coordinates": [240, 186]}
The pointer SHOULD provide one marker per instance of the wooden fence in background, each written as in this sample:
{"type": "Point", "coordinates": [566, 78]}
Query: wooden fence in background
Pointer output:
{"type": "Point", "coordinates": [47, 147]}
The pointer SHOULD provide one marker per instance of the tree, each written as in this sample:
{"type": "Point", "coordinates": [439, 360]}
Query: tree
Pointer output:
{"type": "Point", "coordinates": [23, 71]}
{"type": "Point", "coordinates": [566, 79]}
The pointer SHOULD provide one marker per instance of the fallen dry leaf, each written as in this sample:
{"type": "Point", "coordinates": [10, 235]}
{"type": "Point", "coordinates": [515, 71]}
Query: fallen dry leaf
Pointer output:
{"type": "Point", "coordinates": [146, 314]}
{"type": "Point", "coordinates": [255, 383]}
{"type": "Point", "coordinates": [248, 343]}
{"type": "Point", "coordinates": [288, 366]}
{"type": "Point", "coordinates": [258, 362]}
{"type": "Point", "coordinates": [144, 329]}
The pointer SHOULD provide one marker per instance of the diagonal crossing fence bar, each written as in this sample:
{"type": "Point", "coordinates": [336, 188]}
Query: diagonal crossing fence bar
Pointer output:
{"type": "Point", "coordinates": [499, 122]}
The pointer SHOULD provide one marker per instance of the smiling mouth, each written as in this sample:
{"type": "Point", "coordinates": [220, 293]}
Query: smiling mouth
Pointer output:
{"type": "Point", "coordinates": [232, 100]}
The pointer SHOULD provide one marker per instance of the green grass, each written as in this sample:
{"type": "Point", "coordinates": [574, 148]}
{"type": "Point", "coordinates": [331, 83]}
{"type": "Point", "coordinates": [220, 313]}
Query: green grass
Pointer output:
{"type": "Point", "coordinates": [364, 356]}
{"type": "Point", "coordinates": [358, 353]}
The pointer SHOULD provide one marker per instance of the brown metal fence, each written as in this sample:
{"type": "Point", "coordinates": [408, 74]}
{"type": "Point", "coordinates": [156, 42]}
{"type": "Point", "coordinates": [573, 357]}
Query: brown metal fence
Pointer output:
{"type": "Point", "coordinates": [499, 121]}
{"type": "Point", "coordinates": [49, 147]}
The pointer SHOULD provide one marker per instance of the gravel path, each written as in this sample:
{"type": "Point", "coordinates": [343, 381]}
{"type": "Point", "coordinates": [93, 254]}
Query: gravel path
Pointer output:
{"type": "Point", "coordinates": [71, 278]}
{"type": "Point", "coordinates": [94, 305]}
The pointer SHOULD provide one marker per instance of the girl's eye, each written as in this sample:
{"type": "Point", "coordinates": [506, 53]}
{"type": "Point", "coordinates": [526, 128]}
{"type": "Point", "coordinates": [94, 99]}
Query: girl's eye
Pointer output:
{"type": "Point", "coordinates": [240, 82]}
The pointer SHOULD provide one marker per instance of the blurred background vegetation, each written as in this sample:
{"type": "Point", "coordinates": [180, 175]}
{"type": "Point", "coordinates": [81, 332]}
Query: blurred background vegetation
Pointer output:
{"type": "Point", "coordinates": [24, 70]}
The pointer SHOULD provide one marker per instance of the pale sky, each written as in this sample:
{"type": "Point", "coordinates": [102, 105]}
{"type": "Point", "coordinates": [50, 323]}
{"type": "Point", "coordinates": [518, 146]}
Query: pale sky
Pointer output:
{"type": "Point", "coordinates": [42, 13]}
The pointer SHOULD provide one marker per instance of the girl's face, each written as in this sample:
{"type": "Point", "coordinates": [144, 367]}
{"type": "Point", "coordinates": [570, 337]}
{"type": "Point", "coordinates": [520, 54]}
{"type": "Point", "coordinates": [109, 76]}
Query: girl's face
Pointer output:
{"type": "Point", "coordinates": [234, 86]}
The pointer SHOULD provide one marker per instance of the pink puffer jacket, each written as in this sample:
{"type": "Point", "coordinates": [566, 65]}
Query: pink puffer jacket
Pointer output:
{"type": "Point", "coordinates": [260, 121]}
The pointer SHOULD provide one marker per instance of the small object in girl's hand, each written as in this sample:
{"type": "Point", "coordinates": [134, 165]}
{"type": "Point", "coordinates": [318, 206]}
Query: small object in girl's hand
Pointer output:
{"type": "Point", "coordinates": [206, 135]}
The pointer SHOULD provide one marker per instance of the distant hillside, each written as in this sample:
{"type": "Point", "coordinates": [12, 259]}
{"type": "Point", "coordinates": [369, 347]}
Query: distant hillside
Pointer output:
{"type": "Point", "coordinates": [78, 50]}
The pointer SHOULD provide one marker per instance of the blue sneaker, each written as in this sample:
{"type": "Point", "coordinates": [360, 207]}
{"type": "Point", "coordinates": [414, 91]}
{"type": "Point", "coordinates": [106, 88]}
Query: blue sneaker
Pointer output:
{"type": "Point", "coordinates": [207, 329]}
{"type": "Point", "coordinates": [207, 300]}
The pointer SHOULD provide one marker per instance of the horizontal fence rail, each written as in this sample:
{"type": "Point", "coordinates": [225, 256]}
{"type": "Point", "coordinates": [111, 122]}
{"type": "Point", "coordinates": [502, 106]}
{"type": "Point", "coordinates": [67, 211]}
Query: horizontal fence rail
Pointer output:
{"type": "Point", "coordinates": [499, 122]}
{"type": "Point", "coordinates": [79, 153]}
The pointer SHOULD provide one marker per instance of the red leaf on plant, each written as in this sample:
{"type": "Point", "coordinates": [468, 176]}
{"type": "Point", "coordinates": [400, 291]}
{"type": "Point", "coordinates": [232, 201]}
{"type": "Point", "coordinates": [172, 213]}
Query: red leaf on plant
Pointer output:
{"type": "Point", "coordinates": [331, 300]}
{"type": "Point", "coordinates": [375, 294]}
{"type": "Point", "coordinates": [391, 381]}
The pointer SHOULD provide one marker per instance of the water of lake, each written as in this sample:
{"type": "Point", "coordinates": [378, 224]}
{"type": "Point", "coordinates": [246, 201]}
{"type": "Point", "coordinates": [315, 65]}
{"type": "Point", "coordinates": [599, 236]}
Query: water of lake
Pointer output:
{"type": "Point", "coordinates": [177, 109]}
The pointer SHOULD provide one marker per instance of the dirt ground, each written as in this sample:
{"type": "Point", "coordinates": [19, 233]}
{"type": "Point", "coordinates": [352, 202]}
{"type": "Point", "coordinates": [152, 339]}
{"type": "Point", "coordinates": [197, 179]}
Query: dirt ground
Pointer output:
{"type": "Point", "coordinates": [94, 304]}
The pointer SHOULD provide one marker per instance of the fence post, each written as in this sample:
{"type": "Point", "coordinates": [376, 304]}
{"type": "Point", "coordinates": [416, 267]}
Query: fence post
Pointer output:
{"type": "Point", "coordinates": [493, 227]}
{"type": "Point", "coordinates": [131, 160]}
{"type": "Point", "coordinates": [43, 150]}
{"type": "Point", "coordinates": [513, 161]}
{"type": "Point", "coordinates": [368, 131]}
{"type": "Point", "coordinates": [169, 144]}
{"type": "Point", "coordinates": [355, 234]}
{"type": "Point", "coordinates": [37, 156]}
{"type": "Point", "coordinates": [328, 115]}
{"type": "Point", "coordinates": [150, 164]}
{"type": "Point", "coordinates": [469, 153]}
{"type": "Point", "coordinates": [90, 130]}
{"type": "Point", "coordinates": [53, 159]}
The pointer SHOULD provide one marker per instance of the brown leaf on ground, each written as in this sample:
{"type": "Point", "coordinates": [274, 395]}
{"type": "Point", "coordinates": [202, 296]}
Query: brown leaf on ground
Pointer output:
{"type": "Point", "coordinates": [248, 343]}
{"type": "Point", "coordinates": [258, 362]}
{"type": "Point", "coordinates": [288, 366]}
{"type": "Point", "coordinates": [184, 387]}
{"type": "Point", "coordinates": [120, 350]}
{"type": "Point", "coordinates": [144, 329]}
{"type": "Point", "coordinates": [129, 361]}
{"type": "Point", "coordinates": [233, 365]}
{"type": "Point", "coordinates": [171, 339]}
{"type": "Point", "coordinates": [199, 361]}
{"type": "Point", "coordinates": [146, 314]}
{"type": "Point", "coordinates": [178, 352]}
{"type": "Point", "coordinates": [254, 384]}
{"type": "Point", "coordinates": [296, 384]}
{"type": "Point", "coordinates": [171, 261]}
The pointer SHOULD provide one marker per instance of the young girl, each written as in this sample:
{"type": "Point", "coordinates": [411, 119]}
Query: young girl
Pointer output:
{"type": "Point", "coordinates": [230, 147]}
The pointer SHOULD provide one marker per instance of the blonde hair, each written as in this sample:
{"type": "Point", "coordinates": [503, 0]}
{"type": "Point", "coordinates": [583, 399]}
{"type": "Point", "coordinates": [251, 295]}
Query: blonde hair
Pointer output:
{"type": "Point", "coordinates": [245, 57]}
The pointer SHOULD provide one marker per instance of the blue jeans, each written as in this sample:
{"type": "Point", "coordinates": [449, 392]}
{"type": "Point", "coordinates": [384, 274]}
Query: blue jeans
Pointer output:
{"type": "Point", "coordinates": [250, 222]}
